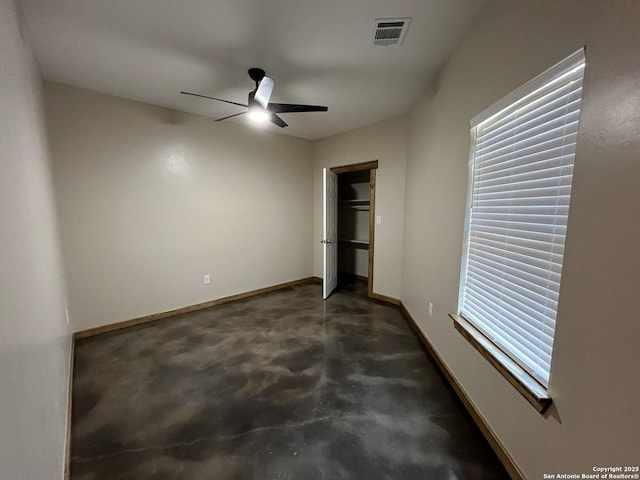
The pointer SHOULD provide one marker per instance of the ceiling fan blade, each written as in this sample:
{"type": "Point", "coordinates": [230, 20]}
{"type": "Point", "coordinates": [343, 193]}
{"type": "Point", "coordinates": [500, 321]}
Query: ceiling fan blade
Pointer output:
{"type": "Point", "coordinates": [229, 116]}
{"type": "Point", "coordinates": [292, 107]}
{"type": "Point", "coordinates": [276, 120]}
{"type": "Point", "coordinates": [214, 98]}
{"type": "Point", "coordinates": [263, 92]}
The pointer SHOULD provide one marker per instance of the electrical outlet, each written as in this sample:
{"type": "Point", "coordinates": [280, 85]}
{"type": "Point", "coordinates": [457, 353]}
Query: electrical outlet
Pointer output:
{"type": "Point", "coordinates": [66, 310]}
{"type": "Point", "coordinates": [378, 219]}
{"type": "Point", "coordinates": [207, 279]}
{"type": "Point", "coordinates": [430, 309]}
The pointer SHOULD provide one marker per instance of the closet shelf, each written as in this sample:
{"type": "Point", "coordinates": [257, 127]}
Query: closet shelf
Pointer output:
{"type": "Point", "coordinates": [355, 202]}
{"type": "Point", "coordinates": [361, 204]}
{"type": "Point", "coordinates": [359, 208]}
{"type": "Point", "coordinates": [353, 241]}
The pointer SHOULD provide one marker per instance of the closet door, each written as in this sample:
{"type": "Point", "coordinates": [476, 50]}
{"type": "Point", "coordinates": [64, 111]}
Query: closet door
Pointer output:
{"type": "Point", "coordinates": [330, 232]}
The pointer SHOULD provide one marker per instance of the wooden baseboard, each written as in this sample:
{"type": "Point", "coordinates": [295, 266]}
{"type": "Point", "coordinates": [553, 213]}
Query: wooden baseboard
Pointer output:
{"type": "Point", "coordinates": [503, 455]}
{"type": "Point", "coordinates": [67, 448]}
{"type": "Point", "coordinates": [385, 299]}
{"type": "Point", "coordinates": [192, 308]}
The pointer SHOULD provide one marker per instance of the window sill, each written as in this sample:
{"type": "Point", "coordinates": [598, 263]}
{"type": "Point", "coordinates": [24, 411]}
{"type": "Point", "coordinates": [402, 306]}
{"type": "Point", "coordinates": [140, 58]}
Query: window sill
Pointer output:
{"type": "Point", "coordinates": [528, 387]}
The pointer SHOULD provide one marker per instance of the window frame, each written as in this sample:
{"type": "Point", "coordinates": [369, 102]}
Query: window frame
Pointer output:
{"type": "Point", "coordinates": [513, 369]}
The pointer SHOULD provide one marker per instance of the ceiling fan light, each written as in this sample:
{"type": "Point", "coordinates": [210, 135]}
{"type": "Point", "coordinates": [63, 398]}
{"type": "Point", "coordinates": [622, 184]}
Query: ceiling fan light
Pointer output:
{"type": "Point", "coordinates": [258, 115]}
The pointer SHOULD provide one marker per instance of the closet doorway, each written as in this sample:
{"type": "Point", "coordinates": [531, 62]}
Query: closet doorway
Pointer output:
{"type": "Point", "coordinates": [349, 225]}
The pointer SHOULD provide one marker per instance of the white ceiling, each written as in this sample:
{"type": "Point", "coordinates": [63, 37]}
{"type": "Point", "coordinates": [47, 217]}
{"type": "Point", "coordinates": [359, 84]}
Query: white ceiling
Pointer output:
{"type": "Point", "coordinates": [318, 51]}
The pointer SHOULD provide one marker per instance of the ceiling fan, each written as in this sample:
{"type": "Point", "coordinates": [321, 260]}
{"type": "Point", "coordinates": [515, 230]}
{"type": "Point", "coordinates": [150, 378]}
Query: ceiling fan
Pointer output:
{"type": "Point", "coordinates": [258, 106]}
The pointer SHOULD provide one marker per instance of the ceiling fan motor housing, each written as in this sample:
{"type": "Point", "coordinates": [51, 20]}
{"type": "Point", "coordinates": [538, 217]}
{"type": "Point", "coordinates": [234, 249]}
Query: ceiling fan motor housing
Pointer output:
{"type": "Point", "coordinates": [251, 101]}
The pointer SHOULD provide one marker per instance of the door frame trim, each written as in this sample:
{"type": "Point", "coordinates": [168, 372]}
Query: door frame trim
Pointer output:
{"type": "Point", "coordinates": [372, 166]}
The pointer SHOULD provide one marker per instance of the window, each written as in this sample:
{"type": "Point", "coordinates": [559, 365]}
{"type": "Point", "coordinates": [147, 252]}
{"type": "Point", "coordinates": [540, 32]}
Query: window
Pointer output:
{"type": "Point", "coordinates": [521, 168]}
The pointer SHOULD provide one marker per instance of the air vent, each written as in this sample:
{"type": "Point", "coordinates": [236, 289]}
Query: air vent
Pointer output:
{"type": "Point", "coordinates": [389, 31]}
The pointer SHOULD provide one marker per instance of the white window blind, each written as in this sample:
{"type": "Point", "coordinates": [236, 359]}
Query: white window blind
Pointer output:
{"type": "Point", "coordinates": [520, 184]}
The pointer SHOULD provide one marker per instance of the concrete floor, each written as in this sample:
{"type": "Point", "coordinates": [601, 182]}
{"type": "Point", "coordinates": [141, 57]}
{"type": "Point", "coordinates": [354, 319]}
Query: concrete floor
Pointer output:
{"type": "Point", "coordinates": [280, 386]}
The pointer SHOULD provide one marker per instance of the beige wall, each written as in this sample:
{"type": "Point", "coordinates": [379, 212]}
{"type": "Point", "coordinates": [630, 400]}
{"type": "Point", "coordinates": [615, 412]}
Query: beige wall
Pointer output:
{"type": "Point", "coordinates": [34, 337]}
{"type": "Point", "coordinates": [386, 142]}
{"type": "Point", "coordinates": [596, 361]}
{"type": "Point", "coordinates": [150, 200]}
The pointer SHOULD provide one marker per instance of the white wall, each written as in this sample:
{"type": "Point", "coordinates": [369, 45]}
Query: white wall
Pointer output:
{"type": "Point", "coordinates": [150, 200]}
{"type": "Point", "coordinates": [596, 360]}
{"type": "Point", "coordinates": [34, 338]}
{"type": "Point", "coordinates": [386, 142]}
